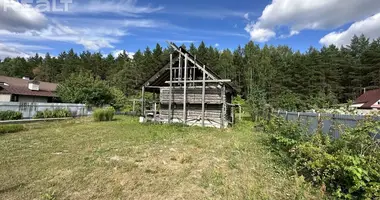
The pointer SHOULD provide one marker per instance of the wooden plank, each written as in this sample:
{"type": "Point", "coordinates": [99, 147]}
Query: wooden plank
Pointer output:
{"type": "Point", "coordinates": [185, 89]}
{"type": "Point", "coordinates": [201, 81]}
{"type": "Point", "coordinates": [224, 106]}
{"type": "Point", "coordinates": [180, 68]}
{"type": "Point", "coordinates": [155, 112]}
{"type": "Point", "coordinates": [203, 97]}
{"type": "Point", "coordinates": [170, 88]}
{"type": "Point", "coordinates": [195, 60]}
{"type": "Point", "coordinates": [143, 101]}
{"type": "Point", "coordinates": [159, 73]}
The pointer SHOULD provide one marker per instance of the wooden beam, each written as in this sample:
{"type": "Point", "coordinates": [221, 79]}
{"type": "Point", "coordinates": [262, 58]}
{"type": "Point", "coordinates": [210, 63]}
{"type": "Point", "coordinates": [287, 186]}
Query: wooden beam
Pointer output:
{"type": "Point", "coordinates": [153, 87]}
{"type": "Point", "coordinates": [223, 93]}
{"type": "Point", "coordinates": [180, 67]}
{"type": "Point", "coordinates": [185, 90]}
{"type": "Point", "coordinates": [240, 110]}
{"type": "Point", "coordinates": [159, 73]}
{"type": "Point", "coordinates": [155, 111]}
{"type": "Point", "coordinates": [201, 81]}
{"type": "Point", "coordinates": [187, 67]}
{"type": "Point", "coordinates": [170, 89]}
{"type": "Point", "coordinates": [203, 97]}
{"type": "Point", "coordinates": [193, 61]}
{"type": "Point", "coordinates": [143, 101]}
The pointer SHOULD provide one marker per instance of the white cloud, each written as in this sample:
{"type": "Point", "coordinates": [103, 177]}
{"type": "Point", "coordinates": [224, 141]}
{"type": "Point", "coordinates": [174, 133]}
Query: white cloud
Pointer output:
{"type": "Point", "coordinates": [143, 23]}
{"type": "Point", "coordinates": [17, 17]}
{"type": "Point", "coordinates": [259, 34]}
{"type": "Point", "coordinates": [19, 50]}
{"type": "Point", "coordinates": [217, 45]}
{"type": "Point", "coordinates": [211, 13]}
{"type": "Point", "coordinates": [183, 41]}
{"type": "Point", "coordinates": [370, 27]}
{"type": "Point", "coordinates": [121, 7]}
{"type": "Point", "coordinates": [246, 16]}
{"type": "Point", "coordinates": [117, 52]}
{"type": "Point", "coordinates": [93, 35]}
{"type": "Point", "coordinates": [299, 15]}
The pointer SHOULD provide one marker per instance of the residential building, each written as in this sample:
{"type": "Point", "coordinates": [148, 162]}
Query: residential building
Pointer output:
{"type": "Point", "coordinates": [25, 90]}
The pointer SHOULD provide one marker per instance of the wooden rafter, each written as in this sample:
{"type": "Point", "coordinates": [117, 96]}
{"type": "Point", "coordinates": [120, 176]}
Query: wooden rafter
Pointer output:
{"type": "Point", "coordinates": [192, 61]}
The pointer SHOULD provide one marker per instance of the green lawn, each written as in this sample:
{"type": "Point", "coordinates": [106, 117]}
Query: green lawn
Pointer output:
{"type": "Point", "coordinates": [123, 159]}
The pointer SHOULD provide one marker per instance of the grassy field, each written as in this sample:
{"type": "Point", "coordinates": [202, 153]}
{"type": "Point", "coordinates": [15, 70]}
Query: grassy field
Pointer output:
{"type": "Point", "coordinates": [123, 159]}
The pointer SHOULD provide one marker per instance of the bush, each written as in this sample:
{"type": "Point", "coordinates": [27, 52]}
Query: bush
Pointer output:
{"type": "Point", "coordinates": [347, 167]}
{"type": "Point", "coordinates": [10, 115]}
{"type": "Point", "coordinates": [59, 113]}
{"type": "Point", "coordinates": [104, 114]}
{"type": "Point", "coordinates": [11, 128]}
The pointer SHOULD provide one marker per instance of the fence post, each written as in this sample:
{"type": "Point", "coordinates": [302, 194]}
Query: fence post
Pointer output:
{"type": "Point", "coordinates": [333, 124]}
{"type": "Point", "coordinates": [286, 116]}
{"type": "Point", "coordinates": [298, 116]}
{"type": "Point", "coordinates": [319, 122]}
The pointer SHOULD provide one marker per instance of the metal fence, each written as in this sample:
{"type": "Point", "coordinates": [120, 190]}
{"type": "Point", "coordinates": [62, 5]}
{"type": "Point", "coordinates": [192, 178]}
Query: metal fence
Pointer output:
{"type": "Point", "coordinates": [334, 124]}
{"type": "Point", "coordinates": [29, 110]}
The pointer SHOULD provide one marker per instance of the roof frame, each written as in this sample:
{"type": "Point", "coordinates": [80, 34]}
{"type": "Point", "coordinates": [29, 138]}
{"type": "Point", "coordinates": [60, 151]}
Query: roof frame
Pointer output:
{"type": "Point", "coordinates": [192, 61]}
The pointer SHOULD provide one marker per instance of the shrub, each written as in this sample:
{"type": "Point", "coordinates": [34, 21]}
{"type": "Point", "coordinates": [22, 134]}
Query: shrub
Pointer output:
{"type": "Point", "coordinates": [104, 114]}
{"type": "Point", "coordinates": [347, 167]}
{"type": "Point", "coordinates": [62, 113]}
{"type": "Point", "coordinates": [10, 115]}
{"type": "Point", "coordinates": [59, 113]}
{"type": "Point", "coordinates": [11, 128]}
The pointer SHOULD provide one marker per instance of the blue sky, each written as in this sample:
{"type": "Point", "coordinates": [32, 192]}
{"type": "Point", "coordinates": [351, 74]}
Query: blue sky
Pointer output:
{"type": "Point", "coordinates": [112, 26]}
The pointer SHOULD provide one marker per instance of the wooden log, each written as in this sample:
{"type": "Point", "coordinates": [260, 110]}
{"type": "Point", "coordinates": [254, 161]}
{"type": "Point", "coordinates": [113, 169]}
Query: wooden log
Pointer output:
{"type": "Point", "coordinates": [180, 68]}
{"type": "Point", "coordinates": [143, 101]}
{"type": "Point", "coordinates": [224, 106]}
{"type": "Point", "coordinates": [170, 88]}
{"type": "Point", "coordinates": [201, 81]}
{"type": "Point", "coordinates": [185, 89]}
{"type": "Point", "coordinates": [203, 97]}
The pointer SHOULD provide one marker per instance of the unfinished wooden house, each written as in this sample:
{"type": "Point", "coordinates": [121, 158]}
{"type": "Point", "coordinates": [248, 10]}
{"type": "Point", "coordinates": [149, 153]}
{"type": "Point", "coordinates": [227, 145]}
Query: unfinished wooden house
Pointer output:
{"type": "Point", "coordinates": [190, 93]}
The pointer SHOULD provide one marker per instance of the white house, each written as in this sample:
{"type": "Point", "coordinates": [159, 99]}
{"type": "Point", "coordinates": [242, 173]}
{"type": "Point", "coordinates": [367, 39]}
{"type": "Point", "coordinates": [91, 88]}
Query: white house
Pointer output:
{"type": "Point", "coordinates": [368, 102]}
{"type": "Point", "coordinates": [25, 90]}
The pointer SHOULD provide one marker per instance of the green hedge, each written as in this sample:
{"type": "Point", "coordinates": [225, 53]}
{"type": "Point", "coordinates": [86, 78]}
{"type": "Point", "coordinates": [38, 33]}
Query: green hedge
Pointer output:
{"type": "Point", "coordinates": [59, 113]}
{"type": "Point", "coordinates": [10, 115]}
{"type": "Point", "coordinates": [347, 167]}
{"type": "Point", "coordinates": [104, 114]}
{"type": "Point", "coordinates": [11, 128]}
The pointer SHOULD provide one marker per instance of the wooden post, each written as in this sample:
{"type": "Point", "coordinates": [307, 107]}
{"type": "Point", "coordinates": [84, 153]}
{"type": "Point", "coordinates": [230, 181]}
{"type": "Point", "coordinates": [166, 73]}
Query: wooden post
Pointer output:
{"type": "Point", "coordinates": [185, 90]}
{"type": "Point", "coordinates": [233, 114]}
{"type": "Point", "coordinates": [195, 61]}
{"type": "Point", "coordinates": [223, 105]}
{"type": "Point", "coordinates": [143, 101]}
{"type": "Point", "coordinates": [286, 116]}
{"type": "Point", "coordinates": [203, 97]}
{"type": "Point", "coordinates": [170, 89]}
{"type": "Point", "coordinates": [240, 110]}
{"type": "Point", "coordinates": [180, 68]}
{"type": "Point", "coordinates": [134, 105]}
{"type": "Point", "coordinates": [155, 111]}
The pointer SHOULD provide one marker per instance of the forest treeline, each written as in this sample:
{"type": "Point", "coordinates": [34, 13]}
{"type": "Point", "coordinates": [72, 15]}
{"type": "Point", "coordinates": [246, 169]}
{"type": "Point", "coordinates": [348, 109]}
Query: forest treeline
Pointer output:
{"type": "Point", "coordinates": [267, 75]}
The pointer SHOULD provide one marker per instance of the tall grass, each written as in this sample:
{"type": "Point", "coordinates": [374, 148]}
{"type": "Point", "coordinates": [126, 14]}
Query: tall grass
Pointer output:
{"type": "Point", "coordinates": [104, 114]}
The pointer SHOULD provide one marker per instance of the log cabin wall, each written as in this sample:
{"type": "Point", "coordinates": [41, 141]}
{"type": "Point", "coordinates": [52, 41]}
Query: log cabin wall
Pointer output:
{"type": "Point", "coordinates": [215, 102]}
